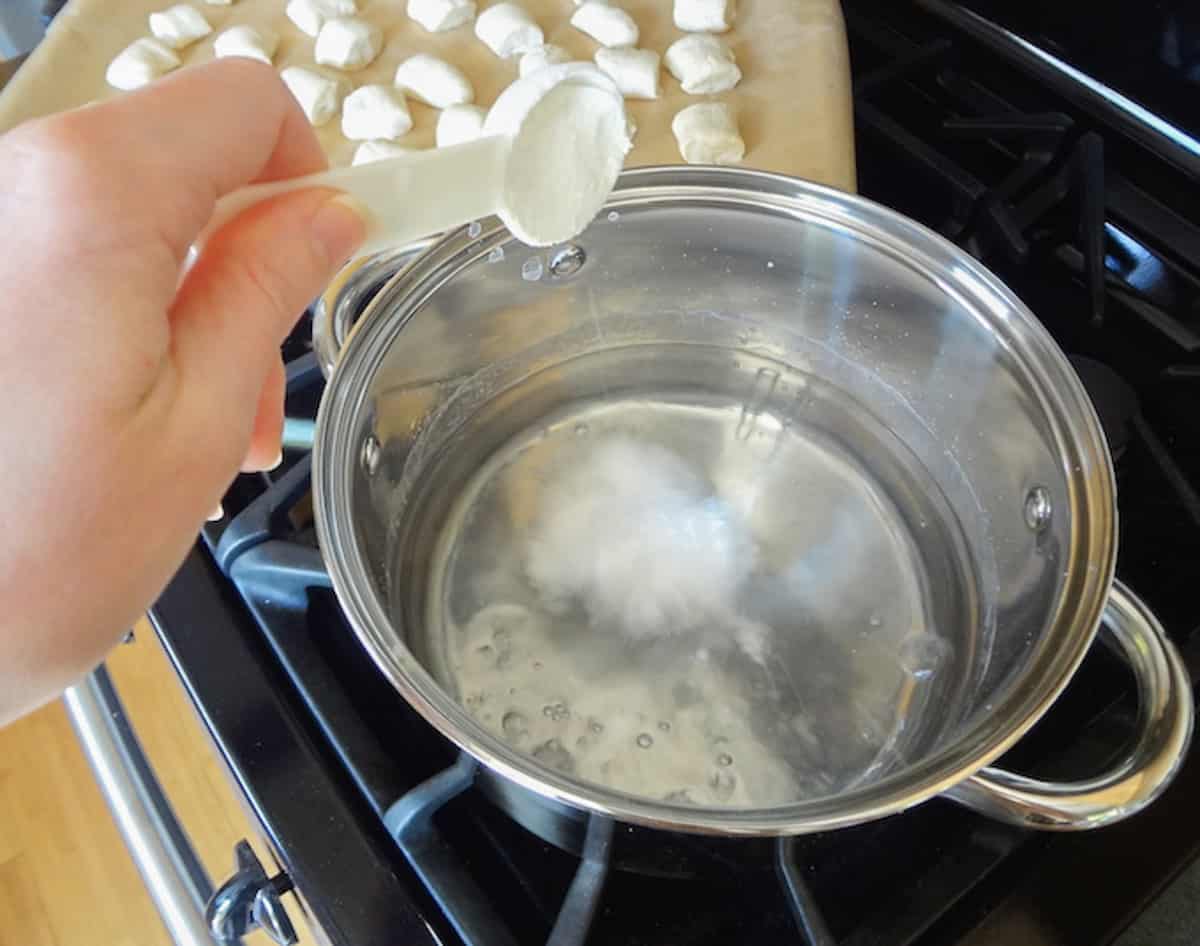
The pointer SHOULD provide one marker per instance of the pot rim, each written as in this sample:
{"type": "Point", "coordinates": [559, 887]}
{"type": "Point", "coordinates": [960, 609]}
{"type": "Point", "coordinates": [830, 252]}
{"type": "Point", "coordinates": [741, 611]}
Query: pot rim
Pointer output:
{"type": "Point", "coordinates": [1085, 458]}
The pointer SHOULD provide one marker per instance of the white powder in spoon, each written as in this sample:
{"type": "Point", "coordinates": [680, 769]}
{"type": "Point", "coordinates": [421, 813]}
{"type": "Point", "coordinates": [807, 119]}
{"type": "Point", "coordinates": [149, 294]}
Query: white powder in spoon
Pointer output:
{"type": "Point", "coordinates": [570, 138]}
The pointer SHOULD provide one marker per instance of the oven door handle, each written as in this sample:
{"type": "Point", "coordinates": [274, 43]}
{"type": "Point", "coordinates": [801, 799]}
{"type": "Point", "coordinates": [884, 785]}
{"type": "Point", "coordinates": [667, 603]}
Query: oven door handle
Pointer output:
{"type": "Point", "coordinates": [161, 850]}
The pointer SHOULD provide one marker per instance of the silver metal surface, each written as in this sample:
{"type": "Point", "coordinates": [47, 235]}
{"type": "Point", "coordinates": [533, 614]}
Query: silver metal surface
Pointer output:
{"type": "Point", "coordinates": [297, 433]}
{"type": "Point", "coordinates": [346, 297]}
{"type": "Point", "coordinates": [161, 851]}
{"type": "Point", "coordinates": [815, 285]}
{"type": "Point", "coordinates": [1165, 723]}
{"type": "Point", "coordinates": [250, 900]}
{"type": "Point", "coordinates": [818, 487]}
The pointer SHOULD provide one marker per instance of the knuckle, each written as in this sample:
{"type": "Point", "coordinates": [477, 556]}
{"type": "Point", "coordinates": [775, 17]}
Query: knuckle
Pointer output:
{"type": "Point", "coordinates": [252, 78]}
{"type": "Point", "coordinates": [242, 70]}
{"type": "Point", "coordinates": [59, 155]}
{"type": "Point", "coordinates": [271, 286]}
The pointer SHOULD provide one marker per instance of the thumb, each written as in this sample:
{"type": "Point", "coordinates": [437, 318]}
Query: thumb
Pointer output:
{"type": "Point", "coordinates": [253, 279]}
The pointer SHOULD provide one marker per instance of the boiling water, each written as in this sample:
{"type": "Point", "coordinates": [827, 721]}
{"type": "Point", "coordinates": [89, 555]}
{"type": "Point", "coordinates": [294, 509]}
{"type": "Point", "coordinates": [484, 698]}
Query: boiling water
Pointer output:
{"type": "Point", "coordinates": [742, 591]}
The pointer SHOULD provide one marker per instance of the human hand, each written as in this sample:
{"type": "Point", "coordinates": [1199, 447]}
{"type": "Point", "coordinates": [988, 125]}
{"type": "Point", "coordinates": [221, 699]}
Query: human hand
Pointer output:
{"type": "Point", "coordinates": [132, 399]}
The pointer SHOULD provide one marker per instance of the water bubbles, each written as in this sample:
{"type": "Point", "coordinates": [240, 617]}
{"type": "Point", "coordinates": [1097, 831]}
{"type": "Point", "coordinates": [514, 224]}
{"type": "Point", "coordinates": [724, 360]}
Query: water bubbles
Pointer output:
{"type": "Point", "coordinates": [556, 711]}
{"type": "Point", "coordinates": [770, 264]}
{"type": "Point", "coordinates": [613, 216]}
{"type": "Point", "coordinates": [679, 796]}
{"type": "Point", "coordinates": [537, 665]}
{"type": "Point", "coordinates": [921, 654]}
{"type": "Point", "coordinates": [499, 621]}
{"type": "Point", "coordinates": [582, 429]}
{"type": "Point", "coordinates": [875, 620]}
{"type": "Point", "coordinates": [554, 754]}
{"type": "Point", "coordinates": [595, 727]}
{"type": "Point", "coordinates": [514, 726]}
{"type": "Point", "coordinates": [645, 740]}
{"type": "Point", "coordinates": [532, 269]}
{"type": "Point", "coordinates": [664, 726]}
{"type": "Point", "coordinates": [474, 228]}
{"type": "Point", "coordinates": [723, 784]}
{"type": "Point", "coordinates": [496, 254]}
{"type": "Point", "coordinates": [724, 760]}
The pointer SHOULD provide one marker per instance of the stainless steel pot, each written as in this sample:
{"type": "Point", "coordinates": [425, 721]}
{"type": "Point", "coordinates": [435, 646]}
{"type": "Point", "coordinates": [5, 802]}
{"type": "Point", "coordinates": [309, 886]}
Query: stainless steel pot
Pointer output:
{"type": "Point", "coordinates": [843, 338]}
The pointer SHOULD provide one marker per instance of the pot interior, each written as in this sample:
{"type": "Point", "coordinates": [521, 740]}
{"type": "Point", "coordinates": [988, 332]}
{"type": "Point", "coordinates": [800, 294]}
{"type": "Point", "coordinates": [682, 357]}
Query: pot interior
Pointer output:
{"type": "Point", "coordinates": [754, 499]}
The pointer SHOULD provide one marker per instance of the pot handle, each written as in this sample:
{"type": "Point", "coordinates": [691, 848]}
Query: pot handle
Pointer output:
{"type": "Point", "coordinates": [1164, 729]}
{"type": "Point", "coordinates": [345, 299]}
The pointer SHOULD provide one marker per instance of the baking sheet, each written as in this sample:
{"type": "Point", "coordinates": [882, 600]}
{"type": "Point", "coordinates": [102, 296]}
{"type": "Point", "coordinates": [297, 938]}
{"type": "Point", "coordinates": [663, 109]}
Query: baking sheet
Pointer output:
{"type": "Point", "coordinates": [793, 103]}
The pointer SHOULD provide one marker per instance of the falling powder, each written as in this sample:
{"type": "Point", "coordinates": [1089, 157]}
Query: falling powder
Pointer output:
{"type": "Point", "coordinates": [638, 539]}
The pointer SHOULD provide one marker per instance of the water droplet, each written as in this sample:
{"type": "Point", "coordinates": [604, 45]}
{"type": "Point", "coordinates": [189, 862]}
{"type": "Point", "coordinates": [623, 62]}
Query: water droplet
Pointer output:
{"type": "Point", "coordinates": [770, 264]}
{"type": "Point", "coordinates": [531, 269]}
{"type": "Point", "coordinates": [664, 726]}
{"type": "Point", "coordinates": [645, 740]}
{"type": "Point", "coordinates": [1038, 508]}
{"type": "Point", "coordinates": [723, 785]}
{"type": "Point", "coordinates": [595, 727]}
{"type": "Point", "coordinates": [474, 229]}
{"type": "Point", "coordinates": [724, 760]}
{"type": "Point", "coordinates": [496, 254]}
{"type": "Point", "coordinates": [613, 216]}
{"type": "Point", "coordinates": [554, 754]}
{"type": "Point", "coordinates": [875, 620]}
{"type": "Point", "coordinates": [567, 261]}
{"type": "Point", "coordinates": [921, 654]}
{"type": "Point", "coordinates": [514, 726]}
{"type": "Point", "coordinates": [537, 665]}
{"type": "Point", "coordinates": [582, 429]}
{"type": "Point", "coordinates": [556, 711]}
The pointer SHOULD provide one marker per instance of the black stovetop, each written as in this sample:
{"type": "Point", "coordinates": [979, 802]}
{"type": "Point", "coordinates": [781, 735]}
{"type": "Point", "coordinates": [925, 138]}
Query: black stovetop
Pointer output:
{"type": "Point", "coordinates": [1100, 234]}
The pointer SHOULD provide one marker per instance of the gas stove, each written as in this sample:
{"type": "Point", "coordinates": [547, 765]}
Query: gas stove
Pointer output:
{"type": "Point", "coordinates": [1088, 205]}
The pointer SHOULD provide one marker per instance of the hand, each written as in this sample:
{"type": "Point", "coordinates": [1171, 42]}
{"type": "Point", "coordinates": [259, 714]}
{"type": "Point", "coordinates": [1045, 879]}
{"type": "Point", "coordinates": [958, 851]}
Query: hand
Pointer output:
{"type": "Point", "coordinates": [131, 400]}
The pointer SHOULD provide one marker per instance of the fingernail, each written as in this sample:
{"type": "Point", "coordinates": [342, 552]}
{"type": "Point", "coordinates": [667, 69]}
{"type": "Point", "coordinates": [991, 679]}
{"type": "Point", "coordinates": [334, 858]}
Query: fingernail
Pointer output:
{"type": "Point", "coordinates": [278, 462]}
{"type": "Point", "coordinates": [217, 514]}
{"type": "Point", "coordinates": [339, 226]}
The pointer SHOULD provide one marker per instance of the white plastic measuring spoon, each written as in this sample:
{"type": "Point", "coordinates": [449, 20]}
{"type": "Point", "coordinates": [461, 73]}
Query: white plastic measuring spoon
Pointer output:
{"type": "Point", "coordinates": [552, 147]}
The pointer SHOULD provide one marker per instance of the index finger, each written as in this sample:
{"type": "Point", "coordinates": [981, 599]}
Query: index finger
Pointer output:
{"type": "Point", "coordinates": [208, 130]}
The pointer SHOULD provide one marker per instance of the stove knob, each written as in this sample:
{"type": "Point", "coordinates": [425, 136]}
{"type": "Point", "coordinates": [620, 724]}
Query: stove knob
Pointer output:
{"type": "Point", "coordinates": [248, 901]}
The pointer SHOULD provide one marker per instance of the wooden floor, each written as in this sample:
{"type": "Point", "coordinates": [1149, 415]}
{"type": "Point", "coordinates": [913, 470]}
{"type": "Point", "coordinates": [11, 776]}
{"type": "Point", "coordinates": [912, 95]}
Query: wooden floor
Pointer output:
{"type": "Point", "coordinates": [65, 876]}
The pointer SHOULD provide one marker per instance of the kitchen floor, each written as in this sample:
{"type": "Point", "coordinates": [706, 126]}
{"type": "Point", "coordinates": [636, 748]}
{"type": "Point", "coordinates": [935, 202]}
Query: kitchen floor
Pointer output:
{"type": "Point", "coordinates": [66, 878]}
